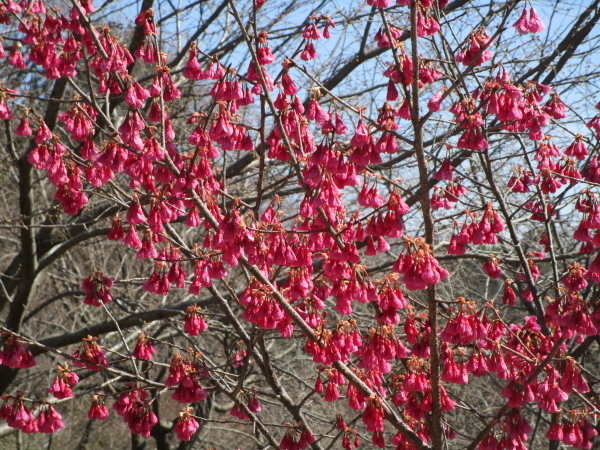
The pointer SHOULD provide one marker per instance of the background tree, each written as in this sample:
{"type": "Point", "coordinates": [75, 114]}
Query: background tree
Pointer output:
{"type": "Point", "coordinates": [297, 224]}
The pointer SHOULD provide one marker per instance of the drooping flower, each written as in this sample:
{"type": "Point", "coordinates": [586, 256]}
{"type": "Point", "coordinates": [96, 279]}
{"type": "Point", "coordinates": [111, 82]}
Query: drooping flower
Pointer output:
{"type": "Point", "coordinates": [97, 288]}
{"type": "Point", "coordinates": [194, 322]}
{"type": "Point", "coordinates": [186, 425]}
{"type": "Point", "coordinates": [418, 265]}
{"type": "Point", "coordinates": [91, 354]}
{"type": "Point", "coordinates": [98, 409]}
{"type": "Point", "coordinates": [64, 381]}
{"type": "Point", "coordinates": [529, 22]}
{"type": "Point", "coordinates": [144, 348]}
{"type": "Point", "coordinates": [15, 353]}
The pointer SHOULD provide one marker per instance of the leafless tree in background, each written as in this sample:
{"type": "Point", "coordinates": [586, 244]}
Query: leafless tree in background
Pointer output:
{"type": "Point", "coordinates": [282, 199]}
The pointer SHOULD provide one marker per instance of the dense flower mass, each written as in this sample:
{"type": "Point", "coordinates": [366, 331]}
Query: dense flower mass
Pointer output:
{"type": "Point", "coordinates": [302, 261]}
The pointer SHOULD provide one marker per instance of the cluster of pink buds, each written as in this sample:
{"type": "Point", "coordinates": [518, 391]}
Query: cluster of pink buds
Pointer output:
{"type": "Point", "coordinates": [5, 112]}
{"type": "Point", "coordinates": [240, 356]}
{"type": "Point", "coordinates": [193, 71]}
{"type": "Point", "coordinates": [575, 430]}
{"type": "Point", "coordinates": [322, 348]}
{"type": "Point", "coordinates": [447, 197]}
{"type": "Point", "coordinates": [233, 238]}
{"type": "Point", "coordinates": [370, 198]}
{"type": "Point", "coordinates": [15, 57]}
{"type": "Point", "coordinates": [137, 413]}
{"type": "Point", "coordinates": [555, 108]}
{"type": "Point", "coordinates": [518, 107]}
{"type": "Point", "coordinates": [229, 89]}
{"type": "Point", "coordinates": [185, 373]}
{"type": "Point", "coordinates": [98, 409]}
{"type": "Point", "coordinates": [466, 116]}
{"type": "Point", "coordinates": [135, 94]}
{"type": "Point", "coordinates": [109, 69]}
{"type": "Point", "coordinates": [587, 204]}
{"type": "Point", "coordinates": [311, 33]}
{"type": "Point", "coordinates": [403, 71]}
{"type": "Point", "coordinates": [64, 381]}
{"type": "Point", "coordinates": [186, 425]}
{"type": "Point", "coordinates": [194, 321]}
{"type": "Point", "coordinates": [502, 98]}
{"type": "Point", "coordinates": [537, 209]}
{"type": "Point", "coordinates": [509, 295]}
{"type": "Point", "coordinates": [379, 3]}
{"type": "Point", "coordinates": [50, 154]}
{"type": "Point", "coordinates": [435, 102]}
{"type": "Point", "coordinates": [264, 54]}
{"type": "Point", "coordinates": [42, 418]}
{"type": "Point", "coordinates": [79, 121]}
{"type": "Point", "coordinates": [577, 148]}
{"type": "Point", "coordinates": [400, 74]}
{"type": "Point", "coordinates": [529, 22]}
{"type": "Point", "coordinates": [383, 40]}
{"type": "Point", "coordinates": [345, 340]}
{"type": "Point", "coordinates": [477, 51]}
{"type": "Point", "coordinates": [206, 270]}
{"type": "Point", "coordinates": [426, 23]}
{"type": "Point", "coordinates": [477, 233]}
{"type": "Point", "coordinates": [334, 379]}
{"type": "Point", "coordinates": [418, 265]}
{"type": "Point", "coordinates": [90, 354]}
{"type": "Point", "coordinates": [390, 299]}
{"type": "Point", "coordinates": [97, 288]}
{"type": "Point", "coordinates": [127, 398]}
{"type": "Point", "coordinates": [144, 348]}
{"type": "Point", "coordinates": [516, 428]}
{"type": "Point", "coordinates": [116, 232]}
{"type": "Point", "coordinates": [23, 129]}
{"type": "Point", "coordinates": [520, 181]}
{"type": "Point", "coordinates": [418, 330]}
{"type": "Point", "coordinates": [454, 372]}
{"type": "Point", "coordinates": [200, 138]}
{"type": "Point", "coordinates": [571, 378]}
{"type": "Point", "coordinates": [571, 311]}
{"type": "Point", "coordinates": [356, 400]}
{"type": "Point", "coordinates": [466, 327]}
{"type": "Point", "coordinates": [386, 223]}
{"type": "Point", "coordinates": [14, 352]}
{"type": "Point", "coordinates": [253, 77]}
{"type": "Point", "coordinates": [441, 4]}
{"type": "Point", "coordinates": [176, 274]}
{"type": "Point", "coordinates": [381, 346]}
{"type": "Point", "coordinates": [316, 113]}
{"type": "Point", "coordinates": [158, 282]}
{"type": "Point", "coordinates": [492, 267]}
{"type": "Point", "coordinates": [445, 172]}
{"type": "Point", "coordinates": [575, 277]}
{"type": "Point", "coordinates": [350, 439]}
{"type": "Point", "coordinates": [148, 47]}
{"type": "Point", "coordinates": [47, 420]}
{"type": "Point", "coordinates": [299, 283]}
{"type": "Point", "coordinates": [373, 418]}
{"type": "Point", "coordinates": [591, 172]}
{"type": "Point", "coordinates": [263, 310]}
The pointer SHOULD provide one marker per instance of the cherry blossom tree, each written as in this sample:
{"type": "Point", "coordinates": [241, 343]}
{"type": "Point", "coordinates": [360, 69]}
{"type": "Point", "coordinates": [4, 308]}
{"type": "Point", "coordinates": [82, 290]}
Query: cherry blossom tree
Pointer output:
{"type": "Point", "coordinates": [296, 224]}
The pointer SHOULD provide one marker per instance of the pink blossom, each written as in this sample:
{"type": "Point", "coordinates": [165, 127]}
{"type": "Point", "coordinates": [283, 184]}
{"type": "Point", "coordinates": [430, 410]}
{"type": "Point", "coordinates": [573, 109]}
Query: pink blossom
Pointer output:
{"type": "Point", "coordinates": [529, 22]}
